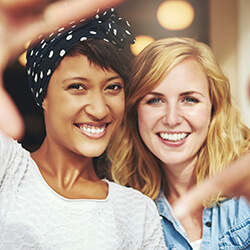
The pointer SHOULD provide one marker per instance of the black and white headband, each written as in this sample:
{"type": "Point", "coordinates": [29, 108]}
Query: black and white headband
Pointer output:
{"type": "Point", "coordinates": [43, 56]}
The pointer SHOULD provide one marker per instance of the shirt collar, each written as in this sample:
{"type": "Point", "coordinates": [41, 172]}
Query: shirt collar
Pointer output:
{"type": "Point", "coordinates": [164, 207]}
{"type": "Point", "coordinates": [165, 210]}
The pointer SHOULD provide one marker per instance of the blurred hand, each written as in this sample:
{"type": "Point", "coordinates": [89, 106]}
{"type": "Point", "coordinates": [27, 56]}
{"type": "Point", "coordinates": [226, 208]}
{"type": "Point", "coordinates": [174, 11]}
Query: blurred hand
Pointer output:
{"type": "Point", "coordinates": [233, 181]}
{"type": "Point", "coordinates": [24, 20]}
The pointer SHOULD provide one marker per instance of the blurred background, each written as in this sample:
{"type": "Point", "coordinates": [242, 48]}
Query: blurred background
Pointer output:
{"type": "Point", "coordinates": [222, 24]}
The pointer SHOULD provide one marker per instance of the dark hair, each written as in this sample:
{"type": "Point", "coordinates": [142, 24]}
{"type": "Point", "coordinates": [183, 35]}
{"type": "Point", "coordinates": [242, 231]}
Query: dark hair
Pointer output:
{"type": "Point", "coordinates": [104, 54]}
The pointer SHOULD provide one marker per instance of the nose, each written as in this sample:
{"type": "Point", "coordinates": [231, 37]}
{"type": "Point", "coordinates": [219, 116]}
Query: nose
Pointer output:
{"type": "Point", "coordinates": [97, 107]}
{"type": "Point", "coordinates": [172, 116]}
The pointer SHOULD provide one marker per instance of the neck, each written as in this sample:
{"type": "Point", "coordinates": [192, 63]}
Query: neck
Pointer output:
{"type": "Point", "coordinates": [64, 166]}
{"type": "Point", "coordinates": [179, 178]}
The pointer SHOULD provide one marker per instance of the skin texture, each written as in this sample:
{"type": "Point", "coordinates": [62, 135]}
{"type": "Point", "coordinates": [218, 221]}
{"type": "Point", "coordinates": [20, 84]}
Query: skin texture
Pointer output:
{"type": "Point", "coordinates": [22, 21]}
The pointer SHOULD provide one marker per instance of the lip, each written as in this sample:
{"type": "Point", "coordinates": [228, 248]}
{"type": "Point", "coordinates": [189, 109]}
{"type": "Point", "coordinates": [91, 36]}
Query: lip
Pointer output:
{"type": "Point", "coordinates": [92, 130]}
{"type": "Point", "coordinates": [173, 139]}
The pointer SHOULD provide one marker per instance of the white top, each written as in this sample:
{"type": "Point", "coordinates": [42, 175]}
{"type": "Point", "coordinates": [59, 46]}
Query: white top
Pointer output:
{"type": "Point", "coordinates": [196, 245]}
{"type": "Point", "coordinates": [33, 216]}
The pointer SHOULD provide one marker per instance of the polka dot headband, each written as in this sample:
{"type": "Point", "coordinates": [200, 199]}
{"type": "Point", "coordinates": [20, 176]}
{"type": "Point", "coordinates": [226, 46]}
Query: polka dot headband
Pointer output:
{"type": "Point", "coordinates": [43, 56]}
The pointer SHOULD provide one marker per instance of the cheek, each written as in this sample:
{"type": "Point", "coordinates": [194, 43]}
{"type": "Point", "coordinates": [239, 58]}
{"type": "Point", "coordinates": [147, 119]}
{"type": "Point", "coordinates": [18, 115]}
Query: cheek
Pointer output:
{"type": "Point", "coordinates": [58, 113]}
{"type": "Point", "coordinates": [118, 107]}
{"type": "Point", "coordinates": [59, 109]}
{"type": "Point", "coordinates": [202, 119]}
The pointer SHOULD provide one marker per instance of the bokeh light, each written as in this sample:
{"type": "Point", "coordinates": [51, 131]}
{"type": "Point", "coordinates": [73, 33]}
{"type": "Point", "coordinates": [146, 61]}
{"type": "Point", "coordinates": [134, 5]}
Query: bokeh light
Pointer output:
{"type": "Point", "coordinates": [141, 42]}
{"type": "Point", "coordinates": [175, 14]}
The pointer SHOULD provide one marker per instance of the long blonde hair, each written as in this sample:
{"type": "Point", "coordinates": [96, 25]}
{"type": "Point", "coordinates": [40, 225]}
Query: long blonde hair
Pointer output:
{"type": "Point", "coordinates": [228, 138]}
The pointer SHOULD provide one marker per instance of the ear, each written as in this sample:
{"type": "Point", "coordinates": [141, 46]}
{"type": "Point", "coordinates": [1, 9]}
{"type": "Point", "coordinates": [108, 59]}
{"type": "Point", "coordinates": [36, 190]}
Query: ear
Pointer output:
{"type": "Point", "coordinates": [44, 104]}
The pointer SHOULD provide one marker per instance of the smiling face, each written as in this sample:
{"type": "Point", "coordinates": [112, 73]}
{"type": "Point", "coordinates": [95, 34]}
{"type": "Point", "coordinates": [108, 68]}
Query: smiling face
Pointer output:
{"type": "Point", "coordinates": [83, 106]}
{"type": "Point", "coordinates": [174, 117]}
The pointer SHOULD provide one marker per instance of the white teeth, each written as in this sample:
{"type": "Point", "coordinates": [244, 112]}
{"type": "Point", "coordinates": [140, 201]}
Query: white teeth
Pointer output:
{"type": "Point", "coordinates": [92, 129]}
{"type": "Point", "coordinates": [173, 137]}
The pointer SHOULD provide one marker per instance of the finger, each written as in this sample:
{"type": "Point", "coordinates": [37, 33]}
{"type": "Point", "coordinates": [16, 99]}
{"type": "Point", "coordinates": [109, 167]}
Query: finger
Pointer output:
{"type": "Point", "coordinates": [11, 122]}
{"type": "Point", "coordinates": [191, 201]}
{"type": "Point", "coordinates": [237, 176]}
{"type": "Point", "coordinates": [56, 15]}
{"type": "Point", "coordinates": [16, 5]}
{"type": "Point", "coordinates": [73, 10]}
{"type": "Point", "coordinates": [233, 181]}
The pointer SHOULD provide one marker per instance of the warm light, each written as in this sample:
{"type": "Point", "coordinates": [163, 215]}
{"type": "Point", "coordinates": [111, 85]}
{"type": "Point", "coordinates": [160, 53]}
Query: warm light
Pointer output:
{"type": "Point", "coordinates": [175, 14]}
{"type": "Point", "coordinates": [22, 57]}
{"type": "Point", "coordinates": [141, 42]}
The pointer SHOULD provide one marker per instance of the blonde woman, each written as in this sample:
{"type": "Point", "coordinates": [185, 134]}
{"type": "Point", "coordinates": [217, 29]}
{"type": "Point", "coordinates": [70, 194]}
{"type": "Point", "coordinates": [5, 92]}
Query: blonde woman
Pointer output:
{"type": "Point", "coordinates": [181, 125]}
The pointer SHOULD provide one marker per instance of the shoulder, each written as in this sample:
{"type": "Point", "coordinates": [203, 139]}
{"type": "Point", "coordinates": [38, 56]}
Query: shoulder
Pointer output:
{"type": "Point", "coordinates": [127, 192]}
{"type": "Point", "coordinates": [4, 139]}
{"type": "Point", "coordinates": [131, 198]}
{"type": "Point", "coordinates": [13, 158]}
{"type": "Point", "coordinates": [232, 213]}
{"type": "Point", "coordinates": [233, 220]}
{"type": "Point", "coordinates": [139, 213]}
{"type": "Point", "coordinates": [8, 145]}
{"type": "Point", "coordinates": [236, 209]}
{"type": "Point", "coordinates": [235, 204]}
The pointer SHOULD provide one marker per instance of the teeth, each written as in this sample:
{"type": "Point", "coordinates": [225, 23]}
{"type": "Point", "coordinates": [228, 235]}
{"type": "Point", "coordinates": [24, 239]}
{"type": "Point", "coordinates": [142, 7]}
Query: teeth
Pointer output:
{"type": "Point", "coordinates": [92, 129]}
{"type": "Point", "coordinates": [173, 137]}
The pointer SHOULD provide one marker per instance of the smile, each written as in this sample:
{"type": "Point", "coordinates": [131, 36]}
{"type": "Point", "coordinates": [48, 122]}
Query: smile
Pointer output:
{"type": "Point", "coordinates": [173, 137]}
{"type": "Point", "coordinates": [93, 130]}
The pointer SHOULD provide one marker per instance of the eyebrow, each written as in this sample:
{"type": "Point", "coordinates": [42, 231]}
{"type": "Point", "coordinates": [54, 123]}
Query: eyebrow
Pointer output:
{"type": "Point", "coordinates": [74, 78]}
{"type": "Point", "coordinates": [182, 94]}
{"type": "Point", "coordinates": [86, 79]}
{"type": "Point", "coordinates": [155, 94]}
{"type": "Point", "coordinates": [192, 93]}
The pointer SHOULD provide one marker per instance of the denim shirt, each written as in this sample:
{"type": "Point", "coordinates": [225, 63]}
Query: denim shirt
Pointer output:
{"type": "Point", "coordinates": [225, 226]}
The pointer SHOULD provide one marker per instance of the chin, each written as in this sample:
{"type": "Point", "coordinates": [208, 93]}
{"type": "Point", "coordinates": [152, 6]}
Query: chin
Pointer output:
{"type": "Point", "coordinates": [92, 153]}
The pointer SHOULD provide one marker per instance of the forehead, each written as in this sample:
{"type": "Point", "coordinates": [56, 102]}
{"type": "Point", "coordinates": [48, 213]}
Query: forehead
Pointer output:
{"type": "Point", "coordinates": [80, 63]}
{"type": "Point", "coordinates": [186, 74]}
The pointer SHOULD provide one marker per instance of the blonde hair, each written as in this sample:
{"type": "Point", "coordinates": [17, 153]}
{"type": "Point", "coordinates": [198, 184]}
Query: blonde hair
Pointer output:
{"type": "Point", "coordinates": [228, 138]}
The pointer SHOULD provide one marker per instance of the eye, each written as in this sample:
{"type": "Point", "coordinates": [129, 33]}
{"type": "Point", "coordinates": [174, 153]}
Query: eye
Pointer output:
{"type": "Point", "coordinates": [189, 99]}
{"type": "Point", "coordinates": [76, 86]}
{"type": "Point", "coordinates": [154, 101]}
{"type": "Point", "coordinates": [115, 87]}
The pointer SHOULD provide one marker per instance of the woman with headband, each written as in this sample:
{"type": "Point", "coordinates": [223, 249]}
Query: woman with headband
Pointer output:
{"type": "Point", "coordinates": [23, 20]}
{"type": "Point", "coordinates": [52, 198]}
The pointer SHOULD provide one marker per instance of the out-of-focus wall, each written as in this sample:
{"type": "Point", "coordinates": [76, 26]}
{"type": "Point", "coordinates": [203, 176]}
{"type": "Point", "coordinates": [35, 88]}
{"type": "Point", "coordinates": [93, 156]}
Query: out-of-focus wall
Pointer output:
{"type": "Point", "coordinates": [243, 58]}
{"type": "Point", "coordinates": [230, 41]}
